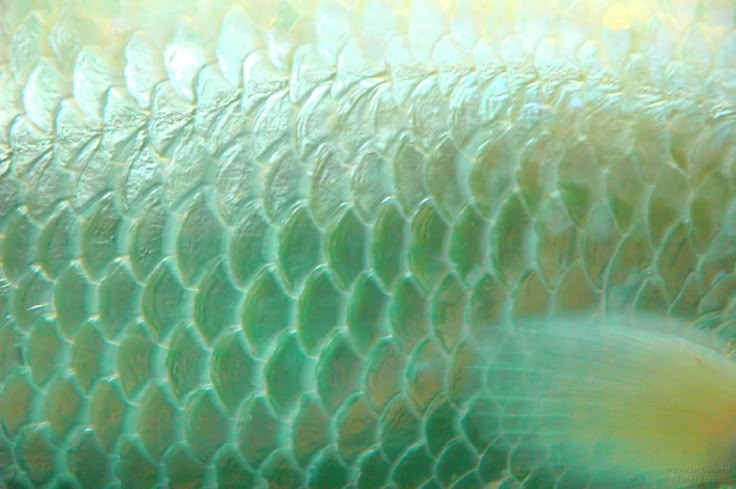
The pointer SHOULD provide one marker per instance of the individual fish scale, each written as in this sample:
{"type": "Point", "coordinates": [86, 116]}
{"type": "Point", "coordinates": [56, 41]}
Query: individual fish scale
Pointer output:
{"type": "Point", "coordinates": [137, 360]}
{"type": "Point", "coordinates": [157, 418]}
{"type": "Point", "coordinates": [11, 354]}
{"type": "Point", "coordinates": [286, 374]}
{"type": "Point", "coordinates": [447, 310]}
{"type": "Point", "coordinates": [87, 463]}
{"type": "Point", "coordinates": [46, 351]}
{"type": "Point", "coordinates": [135, 469]}
{"type": "Point", "coordinates": [171, 283]}
{"type": "Point", "coordinates": [73, 299]}
{"type": "Point", "coordinates": [199, 241]}
{"type": "Point", "coordinates": [18, 249]}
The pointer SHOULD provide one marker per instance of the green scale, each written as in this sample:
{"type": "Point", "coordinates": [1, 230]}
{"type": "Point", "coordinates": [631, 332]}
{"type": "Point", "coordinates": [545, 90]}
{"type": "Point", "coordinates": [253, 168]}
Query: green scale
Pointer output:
{"type": "Point", "coordinates": [367, 244]}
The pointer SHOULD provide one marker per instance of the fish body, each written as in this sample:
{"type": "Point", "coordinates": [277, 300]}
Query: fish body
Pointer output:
{"type": "Point", "coordinates": [279, 244]}
{"type": "Point", "coordinates": [629, 403]}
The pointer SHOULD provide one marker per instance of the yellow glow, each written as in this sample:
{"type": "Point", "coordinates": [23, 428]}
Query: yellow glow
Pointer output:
{"type": "Point", "coordinates": [618, 17]}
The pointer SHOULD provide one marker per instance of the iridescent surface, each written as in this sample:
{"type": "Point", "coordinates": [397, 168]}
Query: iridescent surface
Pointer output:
{"type": "Point", "coordinates": [257, 245]}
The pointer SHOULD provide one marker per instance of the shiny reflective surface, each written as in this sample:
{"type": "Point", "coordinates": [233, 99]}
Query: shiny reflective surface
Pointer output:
{"type": "Point", "coordinates": [262, 246]}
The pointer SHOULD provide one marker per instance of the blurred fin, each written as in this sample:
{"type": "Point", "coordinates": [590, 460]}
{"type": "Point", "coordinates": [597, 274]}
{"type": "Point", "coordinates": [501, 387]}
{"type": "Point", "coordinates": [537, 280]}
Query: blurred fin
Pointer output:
{"type": "Point", "coordinates": [625, 398]}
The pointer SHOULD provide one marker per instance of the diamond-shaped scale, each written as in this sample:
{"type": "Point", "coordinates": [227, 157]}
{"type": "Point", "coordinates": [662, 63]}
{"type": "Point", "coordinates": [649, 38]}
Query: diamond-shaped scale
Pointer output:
{"type": "Point", "coordinates": [158, 419]}
{"type": "Point", "coordinates": [575, 292]}
{"type": "Point", "coordinates": [92, 356]}
{"type": "Point", "coordinates": [300, 247]}
{"type": "Point", "coordinates": [18, 248]}
{"type": "Point", "coordinates": [708, 208]}
{"type": "Point", "coordinates": [35, 452]}
{"type": "Point", "coordinates": [357, 427]}
{"type": "Point", "coordinates": [182, 467]}
{"type": "Point", "coordinates": [254, 244]}
{"type": "Point", "coordinates": [346, 248]}
{"type": "Point", "coordinates": [494, 461]}
{"type": "Point", "coordinates": [11, 353]}
{"type": "Point", "coordinates": [281, 470]}
{"type": "Point", "coordinates": [492, 176]}
{"type": "Point", "coordinates": [427, 248]}
{"type": "Point", "coordinates": [371, 184]}
{"type": "Point", "coordinates": [468, 246]}
{"type": "Point", "coordinates": [414, 468]}
{"type": "Point", "coordinates": [87, 462]}
{"type": "Point", "coordinates": [267, 310]}
{"type": "Point", "coordinates": [231, 470]}
{"type": "Point", "coordinates": [165, 301]}
{"type": "Point", "coordinates": [73, 299]}
{"type": "Point", "coordinates": [447, 176]}
{"type": "Point", "coordinates": [439, 425]}
{"type": "Point", "coordinates": [108, 411]}
{"type": "Point", "coordinates": [200, 240]}
{"type": "Point", "coordinates": [509, 239]}
{"type": "Point", "coordinates": [46, 351]}
{"type": "Point", "coordinates": [337, 371]}
{"type": "Point", "coordinates": [425, 374]}
{"type": "Point", "coordinates": [217, 302]}
{"type": "Point", "coordinates": [310, 429]}
{"type": "Point", "coordinates": [676, 259]}
{"type": "Point", "coordinates": [373, 470]}
{"type": "Point", "coordinates": [480, 423]}
{"type": "Point", "coordinates": [31, 299]}
{"type": "Point", "coordinates": [388, 248]}
{"type": "Point", "coordinates": [239, 176]}
{"type": "Point", "coordinates": [286, 373]}
{"type": "Point", "coordinates": [232, 369]}
{"type": "Point", "coordinates": [456, 460]}
{"type": "Point", "coordinates": [367, 312]}
{"type": "Point", "coordinates": [320, 309]}
{"type": "Point", "coordinates": [408, 313]}
{"type": "Point", "coordinates": [598, 242]}
{"type": "Point", "coordinates": [530, 297]}
{"type": "Point", "coordinates": [625, 192]}
{"type": "Point", "coordinates": [63, 405]}
{"type": "Point", "coordinates": [384, 368]}
{"type": "Point", "coordinates": [206, 426]}
{"type": "Point", "coordinates": [556, 236]}
{"type": "Point", "coordinates": [148, 239]}
{"type": "Point", "coordinates": [119, 299]}
{"type": "Point", "coordinates": [135, 361]}
{"type": "Point", "coordinates": [142, 194]}
{"type": "Point", "coordinates": [135, 469]}
{"type": "Point", "coordinates": [328, 471]}
{"type": "Point", "coordinates": [666, 204]}
{"type": "Point", "coordinates": [464, 378]}
{"type": "Point", "coordinates": [409, 165]}
{"type": "Point", "coordinates": [329, 185]}
{"type": "Point", "coordinates": [186, 361]}
{"type": "Point", "coordinates": [400, 427]}
{"type": "Point", "coordinates": [579, 180]}
{"type": "Point", "coordinates": [101, 236]}
{"type": "Point", "coordinates": [17, 401]}
{"type": "Point", "coordinates": [260, 430]}
{"type": "Point", "coordinates": [447, 311]}
{"type": "Point", "coordinates": [284, 185]}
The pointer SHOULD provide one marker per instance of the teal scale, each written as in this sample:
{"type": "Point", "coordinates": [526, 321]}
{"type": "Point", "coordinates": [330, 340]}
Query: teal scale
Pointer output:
{"type": "Point", "coordinates": [250, 246]}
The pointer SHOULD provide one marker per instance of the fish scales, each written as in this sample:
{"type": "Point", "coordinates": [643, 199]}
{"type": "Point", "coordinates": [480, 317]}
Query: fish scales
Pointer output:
{"type": "Point", "coordinates": [252, 244]}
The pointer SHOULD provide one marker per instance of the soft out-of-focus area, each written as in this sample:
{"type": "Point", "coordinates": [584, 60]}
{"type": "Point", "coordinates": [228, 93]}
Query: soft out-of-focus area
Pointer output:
{"type": "Point", "coordinates": [274, 244]}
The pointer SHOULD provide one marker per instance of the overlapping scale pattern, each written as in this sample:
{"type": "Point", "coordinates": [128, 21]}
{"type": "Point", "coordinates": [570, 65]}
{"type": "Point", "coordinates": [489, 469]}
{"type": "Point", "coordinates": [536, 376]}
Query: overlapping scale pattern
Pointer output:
{"type": "Point", "coordinates": [258, 248]}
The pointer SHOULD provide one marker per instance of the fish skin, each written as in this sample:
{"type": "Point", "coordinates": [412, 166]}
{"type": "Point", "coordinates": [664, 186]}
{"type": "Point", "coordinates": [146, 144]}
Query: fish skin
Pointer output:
{"type": "Point", "coordinates": [247, 245]}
